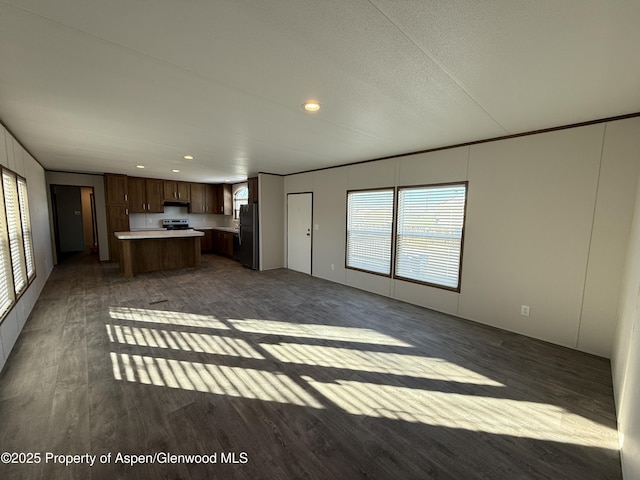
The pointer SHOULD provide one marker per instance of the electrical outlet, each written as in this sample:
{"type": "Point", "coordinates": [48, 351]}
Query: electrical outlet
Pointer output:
{"type": "Point", "coordinates": [524, 310]}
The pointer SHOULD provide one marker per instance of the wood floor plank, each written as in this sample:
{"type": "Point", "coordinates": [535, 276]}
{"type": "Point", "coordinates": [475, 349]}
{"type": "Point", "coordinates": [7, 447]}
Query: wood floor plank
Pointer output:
{"type": "Point", "coordinates": [308, 378]}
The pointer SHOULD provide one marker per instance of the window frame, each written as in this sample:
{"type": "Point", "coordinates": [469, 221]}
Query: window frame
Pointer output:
{"type": "Point", "coordinates": [25, 237]}
{"type": "Point", "coordinates": [392, 233]}
{"type": "Point", "coordinates": [236, 204]}
{"type": "Point", "coordinates": [27, 233]}
{"type": "Point", "coordinates": [464, 184]}
{"type": "Point", "coordinates": [6, 265]}
{"type": "Point", "coordinates": [15, 230]}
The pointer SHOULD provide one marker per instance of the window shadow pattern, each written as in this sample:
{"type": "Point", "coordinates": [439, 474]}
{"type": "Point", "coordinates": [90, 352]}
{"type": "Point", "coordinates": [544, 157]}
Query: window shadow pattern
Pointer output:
{"type": "Point", "coordinates": [309, 378]}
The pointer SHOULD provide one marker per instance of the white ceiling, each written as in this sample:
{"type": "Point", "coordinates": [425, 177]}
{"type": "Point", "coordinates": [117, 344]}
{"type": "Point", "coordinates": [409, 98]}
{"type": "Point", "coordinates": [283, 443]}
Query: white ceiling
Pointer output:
{"type": "Point", "coordinates": [100, 86]}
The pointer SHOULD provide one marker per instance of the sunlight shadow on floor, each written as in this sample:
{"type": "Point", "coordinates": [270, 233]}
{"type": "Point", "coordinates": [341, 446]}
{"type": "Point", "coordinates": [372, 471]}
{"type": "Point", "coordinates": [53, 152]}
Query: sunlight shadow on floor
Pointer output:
{"type": "Point", "coordinates": [469, 412]}
{"type": "Point", "coordinates": [184, 341]}
{"type": "Point", "coordinates": [209, 378]}
{"type": "Point", "coordinates": [166, 317]}
{"type": "Point", "coordinates": [386, 399]}
{"type": "Point", "coordinates": [376, 362]}
{"type": "Point", "coordinates": [324, 332]}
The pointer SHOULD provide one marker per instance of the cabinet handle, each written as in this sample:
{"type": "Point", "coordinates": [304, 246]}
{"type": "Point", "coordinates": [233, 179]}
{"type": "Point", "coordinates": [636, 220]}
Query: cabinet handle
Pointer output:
{"type": "Point", "coordinates": [126, 197]}
{"type": "Point", "coordinates": [178, 194]}
{"type": "Point", "coordinates": [126, 211]}
{"type": "Point", "coordinates": [148, 206]}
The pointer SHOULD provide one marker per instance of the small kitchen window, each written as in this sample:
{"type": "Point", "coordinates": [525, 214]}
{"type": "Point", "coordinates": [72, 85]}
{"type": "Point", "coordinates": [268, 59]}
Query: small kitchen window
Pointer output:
{"type": "Point", "coordinates": [241, 197]}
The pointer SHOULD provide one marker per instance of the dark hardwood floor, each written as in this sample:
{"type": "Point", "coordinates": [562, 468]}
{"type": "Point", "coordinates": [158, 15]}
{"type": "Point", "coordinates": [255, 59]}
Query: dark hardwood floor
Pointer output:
{"type": "Point", "coordinates": [276, 375]}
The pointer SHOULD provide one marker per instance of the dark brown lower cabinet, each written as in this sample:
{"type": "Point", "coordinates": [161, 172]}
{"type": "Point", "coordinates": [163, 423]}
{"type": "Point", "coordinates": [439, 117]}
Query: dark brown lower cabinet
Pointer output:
{"type": "Point", "coordinates": [217, 241]}
{"type": "Point", "coordinates": [223, 243]}
{"type": "Point", "coordinates": [206, 242]}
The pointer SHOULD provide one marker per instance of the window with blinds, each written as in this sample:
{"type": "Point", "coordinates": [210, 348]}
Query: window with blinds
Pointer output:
{"type": "Point", "coordinates": [369, 230]}
{"type": "Point", "coordinates": [7, 295]}
{"type": "Point", "coordinates": [14, 227]}
{"type": "Point", "coordinates": [429, 234]}
{"type": "Point", "coordinates": [25, 220]}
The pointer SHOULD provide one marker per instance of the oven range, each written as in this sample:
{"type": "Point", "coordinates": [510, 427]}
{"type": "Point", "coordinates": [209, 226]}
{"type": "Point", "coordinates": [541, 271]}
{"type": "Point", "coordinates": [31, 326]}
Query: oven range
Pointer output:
{"type": "Point", "coordinates": [175, 224]}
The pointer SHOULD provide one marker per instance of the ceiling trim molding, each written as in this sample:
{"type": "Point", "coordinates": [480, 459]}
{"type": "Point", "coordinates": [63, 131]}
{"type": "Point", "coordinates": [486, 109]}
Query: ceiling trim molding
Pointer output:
{"type": "Point", "coordinates": [477, 142]}
{"type": "Point", "coordinates": [76, 173]}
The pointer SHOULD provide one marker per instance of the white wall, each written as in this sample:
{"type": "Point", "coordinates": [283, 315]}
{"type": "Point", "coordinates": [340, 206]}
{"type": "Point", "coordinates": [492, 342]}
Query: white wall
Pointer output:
{"type": "Point", "coordinates": [548, 219]}
{"type": "Point", "coordinates": [83, 180]}
{"type": "Point", "coordinates": [271, 206]}
{"type": "Point", "coordinates": [611, 228]}
{"type": "Point", "coordinates": [329, 203]}
{"type": "Point", "coordinates": [530, 213]}
{"type": "Point", "coordinates": [14, 157]}
{"type": "Point", "coordinates": [625, 361]}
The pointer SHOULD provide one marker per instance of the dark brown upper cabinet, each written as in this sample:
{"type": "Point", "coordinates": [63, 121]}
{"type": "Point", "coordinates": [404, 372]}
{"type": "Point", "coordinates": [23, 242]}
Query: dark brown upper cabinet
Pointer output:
{"type": "Point", "coordinates": [145, 195]}
{"type": "Point", "coordinates": [176, 191]}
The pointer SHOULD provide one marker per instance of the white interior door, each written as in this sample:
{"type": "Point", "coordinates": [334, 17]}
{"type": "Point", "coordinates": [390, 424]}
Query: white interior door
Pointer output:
{"type": "Point", "coordinates": [299, 231]}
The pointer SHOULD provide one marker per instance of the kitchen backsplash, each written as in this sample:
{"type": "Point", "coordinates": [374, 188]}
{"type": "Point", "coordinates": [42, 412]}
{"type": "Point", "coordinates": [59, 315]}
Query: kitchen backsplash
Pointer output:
{"type": "Point", "coordinates": [140, 221]}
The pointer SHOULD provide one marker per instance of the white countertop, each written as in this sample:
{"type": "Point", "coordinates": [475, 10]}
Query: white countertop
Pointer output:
{"type": "Point", "coordinates": [143, 234]}
{"type": "Point", "coordinates": [223, 229]}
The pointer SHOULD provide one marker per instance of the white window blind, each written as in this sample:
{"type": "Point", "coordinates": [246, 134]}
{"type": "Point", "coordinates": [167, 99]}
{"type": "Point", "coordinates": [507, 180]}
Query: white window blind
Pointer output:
{"type": "Point", "coordinates": [7, 295]}
{"type": "Point", "coordinates": [16, 246]}
{"type": "Point", "coordinates": [429, 234]}
{"type": "Point", "coordinates": [369, 230]}
{"type": "Point", "coordinates": [25, 220]}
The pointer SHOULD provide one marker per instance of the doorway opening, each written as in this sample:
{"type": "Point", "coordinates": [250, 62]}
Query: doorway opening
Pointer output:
{"type": "Point", "coordinates": [74, 223]}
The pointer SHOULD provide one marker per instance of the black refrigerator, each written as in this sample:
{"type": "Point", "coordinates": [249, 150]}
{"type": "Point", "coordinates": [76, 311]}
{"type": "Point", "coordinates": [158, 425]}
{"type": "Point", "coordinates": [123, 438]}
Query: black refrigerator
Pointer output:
{"type": "Point", "coordinates": [248, 236]}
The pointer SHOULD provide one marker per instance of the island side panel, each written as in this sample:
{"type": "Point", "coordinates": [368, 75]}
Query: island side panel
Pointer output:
{"type": "Point", "coordinates": [154, 254]}
{"type": "Point", "coordinates": [126, 258]}
{"type": "Point", "coordinates": [196, 254]}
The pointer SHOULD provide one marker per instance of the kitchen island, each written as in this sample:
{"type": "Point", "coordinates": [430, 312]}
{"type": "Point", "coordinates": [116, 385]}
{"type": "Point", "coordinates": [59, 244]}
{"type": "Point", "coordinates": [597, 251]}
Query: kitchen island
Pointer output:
{"type": "Point", "coordinates": [152, 250]}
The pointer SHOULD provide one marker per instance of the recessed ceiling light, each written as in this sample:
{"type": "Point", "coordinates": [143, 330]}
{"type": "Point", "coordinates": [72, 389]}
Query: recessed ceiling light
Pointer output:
{"type": "Point", "coordinates": [139, 166]}
{"type": "Point", "coordinates": [188, 157]}
{"type": "Point", "coordinates": [175, 170]}
{"type": "Point", "coordinates": [311, 106]}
